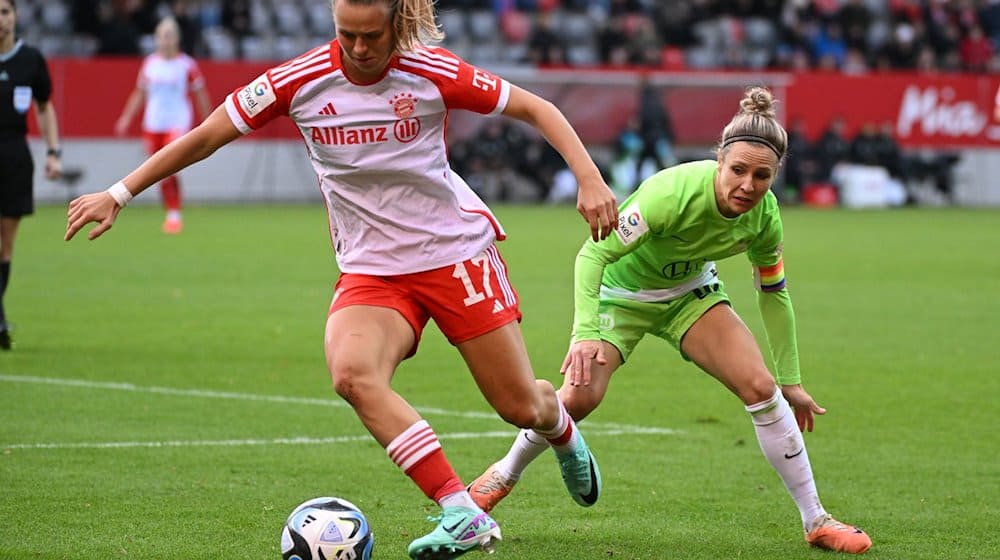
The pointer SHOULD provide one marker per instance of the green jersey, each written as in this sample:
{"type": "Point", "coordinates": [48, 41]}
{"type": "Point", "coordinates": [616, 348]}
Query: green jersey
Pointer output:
{"type": "Point", "coordinates": [670, 233]}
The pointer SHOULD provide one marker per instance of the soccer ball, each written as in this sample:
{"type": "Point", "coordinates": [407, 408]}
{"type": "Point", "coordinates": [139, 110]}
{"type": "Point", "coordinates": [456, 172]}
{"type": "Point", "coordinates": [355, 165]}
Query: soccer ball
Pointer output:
{"type": "Point", "coordinates": [326, 529]}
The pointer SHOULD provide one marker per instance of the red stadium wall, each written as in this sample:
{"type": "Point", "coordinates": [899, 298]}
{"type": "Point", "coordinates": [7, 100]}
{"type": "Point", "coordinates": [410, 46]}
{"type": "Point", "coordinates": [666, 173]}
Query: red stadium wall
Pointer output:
{"type": "Point", "coordinates": [943, 111]}
{"type": "Point", "coordinates": [89, 94]}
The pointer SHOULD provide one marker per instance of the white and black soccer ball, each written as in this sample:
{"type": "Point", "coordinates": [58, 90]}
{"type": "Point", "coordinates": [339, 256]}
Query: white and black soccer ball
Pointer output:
{"type": "Point", "coordinates": [327, 529]}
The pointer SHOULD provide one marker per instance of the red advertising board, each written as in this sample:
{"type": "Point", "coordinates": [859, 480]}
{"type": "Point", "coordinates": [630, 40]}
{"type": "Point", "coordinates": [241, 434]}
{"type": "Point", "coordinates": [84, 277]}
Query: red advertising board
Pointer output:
{"type": "Point", "coordinates": [941, 111]}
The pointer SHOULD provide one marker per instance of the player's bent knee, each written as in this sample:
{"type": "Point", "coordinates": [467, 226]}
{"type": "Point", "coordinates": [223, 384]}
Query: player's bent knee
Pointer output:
{"type": "Point", "coordinates": [353, 384]}
{"type": "Point", "coordinates": [758, 389]}
{"type": "Point", "coordinates": [545, 385]}
{"type": "Point", "coordinates": [579, 402]}
{"type": "Point", "coordinates": [522, 415]}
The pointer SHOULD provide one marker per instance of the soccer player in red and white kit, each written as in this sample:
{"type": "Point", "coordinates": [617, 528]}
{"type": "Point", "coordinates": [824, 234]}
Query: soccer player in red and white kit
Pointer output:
{"type": "Point", "coordinates": [413, 242]}
{"type": "Point", "coordinates": [167, 80]}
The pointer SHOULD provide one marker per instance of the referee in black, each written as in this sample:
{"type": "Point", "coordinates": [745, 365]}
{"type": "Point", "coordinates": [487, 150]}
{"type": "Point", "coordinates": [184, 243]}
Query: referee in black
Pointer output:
{"type": "Point", "coordinates": [24, 81]}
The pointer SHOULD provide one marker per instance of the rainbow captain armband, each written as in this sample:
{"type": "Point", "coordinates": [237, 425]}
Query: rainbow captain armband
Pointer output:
{"type": "Point", "coordinates": [770, 278]}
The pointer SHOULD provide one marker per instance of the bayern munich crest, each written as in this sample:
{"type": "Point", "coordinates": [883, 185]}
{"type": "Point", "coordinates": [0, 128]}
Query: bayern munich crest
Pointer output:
{"type": "Point", "coordinates": [404, 105]}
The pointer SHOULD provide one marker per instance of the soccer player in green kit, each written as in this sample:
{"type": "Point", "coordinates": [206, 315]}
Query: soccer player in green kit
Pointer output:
{"type": "Point", "coordinates": [657, 276]}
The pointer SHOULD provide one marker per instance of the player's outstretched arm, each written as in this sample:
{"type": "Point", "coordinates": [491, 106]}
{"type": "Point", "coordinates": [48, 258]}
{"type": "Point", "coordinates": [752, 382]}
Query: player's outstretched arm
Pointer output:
{"type": "Point", "coordinates": [103, 207]}
{"type": "Point", "coordinates": [595, 200]}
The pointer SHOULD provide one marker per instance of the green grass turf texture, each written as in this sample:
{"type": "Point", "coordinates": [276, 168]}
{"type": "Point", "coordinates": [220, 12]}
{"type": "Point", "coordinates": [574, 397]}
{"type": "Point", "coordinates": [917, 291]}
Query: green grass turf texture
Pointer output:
{"type": "Point", "coordinates": [898, 332]}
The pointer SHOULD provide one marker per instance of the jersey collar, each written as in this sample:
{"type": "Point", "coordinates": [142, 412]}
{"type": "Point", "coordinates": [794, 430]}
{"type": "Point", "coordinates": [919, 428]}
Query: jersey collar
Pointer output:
{"type": "Point", "coordinates": [10, 54]}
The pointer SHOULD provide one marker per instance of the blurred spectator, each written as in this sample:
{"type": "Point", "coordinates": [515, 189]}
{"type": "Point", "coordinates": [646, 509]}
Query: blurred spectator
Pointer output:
{"type": "Point", "coordinates": [854, 63]}
{"type": "Point", "coordinates": [624, 171]}
{"type": "Point", "coordinates": [542, 164]}
{"type": "Point", "coordinates": [192, 39]}
{"type": "Point", "coordinates": [832, 147]}
{"type": "Point", "coordinates": [86, 16]}
{"type": "Point", "coordinates": [656, 131]}
{"type": "Point", "coordinates": [826, 10]}
{"type": "Point", "coordinates": [888, 151]}
{"type": "Point", "coordinates": [495, 164]}
{"type": "Point", "coordinates": [965, 13]}
{"type": "Point", "coordinates": [989, 18]}
{"type": "Point", "coordinates": [906, 10]}
{"type": "Point", "coordinates": [801, 167]}
{"type": "Point", "coordinates": [545, 46]}
{"type": "Point", "coordinates": [119, 34]}
{"type": "Point", "coordinates": [828, 47]}
{"type": "Point", "coordinates": [865, 146]}
{"type": "Point", "coordinates": [976, 50]}
{"type": "Point", "coordinates": [902, 49]}
{"type": "Point", "coordinates": [674, 21]}
{"type": "Point", "coordinates": [927, 61]}
{"type": "Point", "coordinates": [236, 19]}
{"type": "Point", "coordinates": [644, 44]}
{"type": "Point", "coordinates": [855, 19]}
{"type": "Point", "coordinates": [945, 38]}
{"type": "Point", "coordinates": [933, 167]}
{"type": "Point", "coordinates": [612, 42]}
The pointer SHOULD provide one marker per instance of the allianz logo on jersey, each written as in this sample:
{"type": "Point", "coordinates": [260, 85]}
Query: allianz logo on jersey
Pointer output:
{"type": "Point", "coordinates": [404, 131]}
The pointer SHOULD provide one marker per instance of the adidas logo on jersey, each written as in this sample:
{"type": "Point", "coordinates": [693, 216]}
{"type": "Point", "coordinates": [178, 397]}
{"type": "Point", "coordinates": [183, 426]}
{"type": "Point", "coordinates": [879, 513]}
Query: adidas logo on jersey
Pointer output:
{"type": "Point", "coordinates": [328, 110]}
{"type": "Point", "coordinates": [497, 306]}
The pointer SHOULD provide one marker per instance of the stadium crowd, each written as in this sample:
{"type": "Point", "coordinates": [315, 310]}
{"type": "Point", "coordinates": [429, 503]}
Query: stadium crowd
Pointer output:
{"type": "Point", "coordinates": [851, 36]}
{"type": "Point", "coordinates": [845, 36]}
{"type": "Point", "coordinates": [504, 163]}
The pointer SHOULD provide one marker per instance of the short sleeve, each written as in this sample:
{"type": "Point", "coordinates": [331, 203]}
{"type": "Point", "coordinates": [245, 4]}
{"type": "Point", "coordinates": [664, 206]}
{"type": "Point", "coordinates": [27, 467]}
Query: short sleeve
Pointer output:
{"type": "Point", "coordinates": [765, 250]}
{"type": "Point", "coordinates": [462, 85]}
{"type": "Point", "coordinates": [41, 87]}
{"type": "Point", "coordinates": [257, 104]}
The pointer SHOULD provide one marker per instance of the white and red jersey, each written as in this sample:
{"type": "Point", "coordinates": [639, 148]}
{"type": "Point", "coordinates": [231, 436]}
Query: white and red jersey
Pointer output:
{"type": "Point", "coordinates": [168, 83]}
{"type": "Point", "coordinates": [380, 153]}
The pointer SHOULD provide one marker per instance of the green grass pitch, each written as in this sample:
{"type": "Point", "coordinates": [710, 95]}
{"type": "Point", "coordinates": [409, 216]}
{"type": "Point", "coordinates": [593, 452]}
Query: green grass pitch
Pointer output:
{"type": "Point", "coordinates": [168, 397]}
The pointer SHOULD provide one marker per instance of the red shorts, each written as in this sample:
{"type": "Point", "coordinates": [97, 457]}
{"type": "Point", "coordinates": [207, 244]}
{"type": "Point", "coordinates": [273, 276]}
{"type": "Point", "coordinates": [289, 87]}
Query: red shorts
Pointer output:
{"type": "Point", "coordinates": [466, 300]}
{"type": "Point", "coordinates": [155, 141]}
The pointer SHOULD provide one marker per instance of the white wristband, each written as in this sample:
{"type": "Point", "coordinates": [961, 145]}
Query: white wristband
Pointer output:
{"type": "Point", "coordinates": [120, 193]}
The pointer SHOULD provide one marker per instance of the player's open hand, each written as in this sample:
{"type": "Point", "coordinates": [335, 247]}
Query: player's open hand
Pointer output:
{"type": "Point", "coordinates": [596, 203]}
{"type": "Point", "coordinates": [804, 406]}
{"type": "Point", "coordinates": [96, 207]}
{"type": "Point", "coordinates": [580, 359]}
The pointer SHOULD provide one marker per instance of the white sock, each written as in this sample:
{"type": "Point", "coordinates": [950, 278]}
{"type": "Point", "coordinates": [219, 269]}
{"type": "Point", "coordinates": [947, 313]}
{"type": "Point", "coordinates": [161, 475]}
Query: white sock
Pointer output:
{"type": "Point", "coordinates": [561, 436]}
{"type": "Point", "coordinates": [462, 499]}
{"type": "Point", "coordinates": [782, 444]}
{"type": "Point", "coordinates": [174, 215]}
{"type": "Point", "coordinates": [527, 445]}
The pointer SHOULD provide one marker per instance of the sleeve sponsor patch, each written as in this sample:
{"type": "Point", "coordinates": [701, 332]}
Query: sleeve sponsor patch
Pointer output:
{"type": "Point", "coordinates": [257, 96]}
{"type": "Point", "coordinates": [631, 226]}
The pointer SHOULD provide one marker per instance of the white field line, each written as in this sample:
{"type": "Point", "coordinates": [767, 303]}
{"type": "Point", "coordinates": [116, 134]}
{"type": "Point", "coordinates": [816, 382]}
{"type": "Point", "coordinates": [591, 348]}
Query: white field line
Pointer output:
{"type": "Point", "coordinates": [593, 428]}
{"type": "Point", "coordinates": [276, 441]}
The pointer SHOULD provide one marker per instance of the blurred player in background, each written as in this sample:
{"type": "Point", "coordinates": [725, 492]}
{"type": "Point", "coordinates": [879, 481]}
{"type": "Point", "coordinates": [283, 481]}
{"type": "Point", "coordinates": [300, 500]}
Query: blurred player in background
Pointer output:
{"type": "Point", "coordinates": [657, 276]}
{"type": "Point", "coordinates": [412, 240]}
{"type": "Point", "coordinates": [24, 81]}
{"type": "Point", "coordinates": [166, 81]}
{"type": "Point", "coordinates": [996, 105]}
